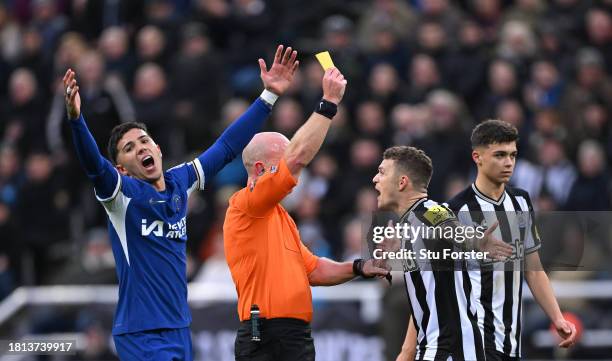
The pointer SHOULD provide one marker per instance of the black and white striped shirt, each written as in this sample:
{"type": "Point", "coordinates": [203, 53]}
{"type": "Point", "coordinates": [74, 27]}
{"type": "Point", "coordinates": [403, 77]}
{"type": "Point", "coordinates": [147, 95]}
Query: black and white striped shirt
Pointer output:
{"type": "Point", "coordinates": [494, 289]}
{"type": "Point", "coordinates": [445, 329]}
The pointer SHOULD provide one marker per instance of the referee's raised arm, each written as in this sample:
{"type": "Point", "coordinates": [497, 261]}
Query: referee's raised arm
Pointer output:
{"type": "Point", "coordinates": [308, 139]}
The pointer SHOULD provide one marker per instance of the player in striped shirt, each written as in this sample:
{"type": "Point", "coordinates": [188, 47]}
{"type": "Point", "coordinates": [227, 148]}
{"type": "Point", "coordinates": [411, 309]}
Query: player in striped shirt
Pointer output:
{"type": "Point", "coordinates": [494, 289]}
{"type": "Point", "coordinates": [147, 210]}
{"type": "Point", "coordinates": [444, 330]}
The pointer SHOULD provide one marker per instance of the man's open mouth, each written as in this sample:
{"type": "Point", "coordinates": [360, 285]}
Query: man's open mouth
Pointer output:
{"type": "Point", "coordinates": [148, 161]}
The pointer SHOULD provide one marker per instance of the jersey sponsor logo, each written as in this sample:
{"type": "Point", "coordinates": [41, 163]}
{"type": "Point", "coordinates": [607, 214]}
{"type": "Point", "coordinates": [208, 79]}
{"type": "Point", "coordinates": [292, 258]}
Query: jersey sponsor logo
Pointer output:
{"type": "Point", "coordinates": [172, 230]}
{"type": "Point", "coordinates": [157, 228]}
{"type": "Point", "coordinates": [438, 214]}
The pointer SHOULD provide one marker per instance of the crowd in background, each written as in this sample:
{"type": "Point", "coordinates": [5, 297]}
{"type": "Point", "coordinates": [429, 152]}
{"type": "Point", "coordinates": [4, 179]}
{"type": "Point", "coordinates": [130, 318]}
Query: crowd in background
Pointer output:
{"type": "Point", "coordinates": [420, 72]}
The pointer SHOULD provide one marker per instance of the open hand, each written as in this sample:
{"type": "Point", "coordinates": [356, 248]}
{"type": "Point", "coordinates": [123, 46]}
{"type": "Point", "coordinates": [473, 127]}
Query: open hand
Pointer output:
{"type": "Point", "coordinates": [280, 75]}
{"type": "Point", "coordinates": [71, 95]}
{"type": "Point", "coordinates": [497, 249]}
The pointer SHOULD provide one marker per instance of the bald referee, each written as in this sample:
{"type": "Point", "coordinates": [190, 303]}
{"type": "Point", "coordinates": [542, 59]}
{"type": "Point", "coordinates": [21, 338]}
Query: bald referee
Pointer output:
{"type": "Point", "coordinates": [270, 266]}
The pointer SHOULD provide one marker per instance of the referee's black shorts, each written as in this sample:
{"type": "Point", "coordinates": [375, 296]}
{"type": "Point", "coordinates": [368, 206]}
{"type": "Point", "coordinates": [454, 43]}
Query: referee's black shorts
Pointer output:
{"type": "Point", "coordinates": [282, 339]}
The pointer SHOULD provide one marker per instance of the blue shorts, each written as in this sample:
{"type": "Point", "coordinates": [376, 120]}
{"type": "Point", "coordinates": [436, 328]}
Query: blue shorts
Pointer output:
{"type": "Point", "coordinates": [168, 344]}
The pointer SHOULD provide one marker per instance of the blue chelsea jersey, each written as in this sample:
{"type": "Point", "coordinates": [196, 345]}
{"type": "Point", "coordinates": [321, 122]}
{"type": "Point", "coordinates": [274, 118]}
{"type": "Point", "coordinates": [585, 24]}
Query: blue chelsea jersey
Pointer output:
{"type": "Point", "coordinates": [148, 232]}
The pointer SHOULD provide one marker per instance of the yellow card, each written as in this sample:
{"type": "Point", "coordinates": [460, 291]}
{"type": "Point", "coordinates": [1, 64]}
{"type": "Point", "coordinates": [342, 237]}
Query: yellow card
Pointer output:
{"type": "Point", "coordinates": [325, 59]}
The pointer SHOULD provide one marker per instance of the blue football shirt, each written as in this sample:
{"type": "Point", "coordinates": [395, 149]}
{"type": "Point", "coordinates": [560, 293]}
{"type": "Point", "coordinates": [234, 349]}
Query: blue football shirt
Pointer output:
{"type": "Point", "coordinates": [148, 232]}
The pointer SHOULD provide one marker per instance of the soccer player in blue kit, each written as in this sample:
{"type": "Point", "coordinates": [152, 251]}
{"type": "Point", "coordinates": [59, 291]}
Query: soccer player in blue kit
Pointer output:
{"type": "Point", "coordinates": [146, 208]}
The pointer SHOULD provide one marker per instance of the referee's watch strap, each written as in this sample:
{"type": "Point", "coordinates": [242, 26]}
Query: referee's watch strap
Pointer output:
{"type": "Point", "coordinates": [358, 268]}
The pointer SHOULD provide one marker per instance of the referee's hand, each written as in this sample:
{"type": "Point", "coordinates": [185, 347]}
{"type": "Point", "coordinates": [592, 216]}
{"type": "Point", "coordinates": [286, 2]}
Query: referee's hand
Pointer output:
{"type": "Point", "coordinates": [71, 95]}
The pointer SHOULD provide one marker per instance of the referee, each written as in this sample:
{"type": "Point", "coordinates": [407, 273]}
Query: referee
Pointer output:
{"type": "Point", "coordinates": [270, 266]}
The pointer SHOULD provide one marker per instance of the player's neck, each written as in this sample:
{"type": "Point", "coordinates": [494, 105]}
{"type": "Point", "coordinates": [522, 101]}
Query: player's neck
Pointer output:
{"type": "Point", "coordinates": [407, 202]}
{"type": "Point", "coordinates": [490, 189]}
{"type": "Point", "coordinates": [160, 184]}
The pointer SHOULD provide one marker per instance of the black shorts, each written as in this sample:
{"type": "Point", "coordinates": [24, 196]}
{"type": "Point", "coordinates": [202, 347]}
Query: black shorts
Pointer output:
{"type": "Point", "coordinates": [281, 339]}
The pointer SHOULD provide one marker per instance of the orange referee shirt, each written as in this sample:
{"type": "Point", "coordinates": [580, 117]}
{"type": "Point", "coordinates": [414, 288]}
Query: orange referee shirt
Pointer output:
{"type": "Point", "coordinates": [268, 261]}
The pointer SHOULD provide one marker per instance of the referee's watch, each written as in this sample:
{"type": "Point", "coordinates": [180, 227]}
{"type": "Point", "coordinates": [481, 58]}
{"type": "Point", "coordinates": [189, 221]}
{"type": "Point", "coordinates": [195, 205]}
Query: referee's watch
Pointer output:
{"type": "Point", "coordinates": [358, 268]}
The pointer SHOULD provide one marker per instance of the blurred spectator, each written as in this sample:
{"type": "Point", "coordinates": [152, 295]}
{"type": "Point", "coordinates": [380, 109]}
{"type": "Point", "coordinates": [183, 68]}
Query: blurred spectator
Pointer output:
{"type": "Point", "coordinates": [22, 113]}
{"type": "Point", "coordinates": [591, 190]}
{"type": "Point", "coordinates": [554, 46]}
{"type": "Point", "coordinates": [197, 83]}
{"type": "Point", "coordinates": [71, 47]}
{"type": "Point", "coordinates": [432, 40]}
{"type": "Point", "coordinates": [42, 216]}
{"type": "Point", "coordinates": [384, 85]}
{"type": "Point", "coordinates": [371, 122]}
{"type": "Point", "coordinates": [546, 87]}
{"type": "Point", "coordinates": [424, 77]}
{"type": "Point", "coordinates": [364, 159]}
{"type": "Point", "coordinates": [409, 123]}
{"type": "Point", "coordinates": [592, 84]}
{"type": "Point", "coordinates": [339, 39]}
{"type": "Point", "coordinates": [443, 12]}
{"type": "Point", "coordinates": [527, 11]}
{"type": "Point", "coordinates": [517, 45]}
{"type": "Point", "coordinates": [466, 66]}
{"type": "Point", "coordinates": [154, 106]}
{"type": "Point", "coordinates": [552, 175]}
{"type": "Point", "coordinates": [50, 23]}
{"type": "Point", "coordinates": [216, 15]}
{"type": "Point", "coordinates": [311, 229]}
{"type": "Point", "coordinates": [447, 142]}
{"type": "Point", "coordinates": [151, 46]}
{"type": "Point", "coordinates": [114, 47]}
{"type": "Point", "coordinates": [503, 84]}
{"type": "Point", "coordinates": [488, 14]}
{"type": "Point", "coordinates": [568, 16]}
{"type": "Point", "coordinates": [599, 30]}
{"type": "Point", "coordinates": [287, 117]}
{"type": "Point", "coordinates": [352, 240]}
{"type": "Point", "coordinates": [393, 17]}
{"type": "Point", "coordinates": [10, 36]}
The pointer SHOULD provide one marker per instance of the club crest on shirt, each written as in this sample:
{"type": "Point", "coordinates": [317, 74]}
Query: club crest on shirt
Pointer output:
{"type": "Point", "coordinates": [176, 202]}
{"type": "Point", "coordinates": [273, 169]}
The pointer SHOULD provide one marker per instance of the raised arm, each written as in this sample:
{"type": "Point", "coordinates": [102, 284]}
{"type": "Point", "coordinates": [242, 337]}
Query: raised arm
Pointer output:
{"type": "Point", "coordinates": [233, 140]}
{"type": "Point", "coordinates": [98, 169]}
{"type": "Point", "coordinates": [308, 139]}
